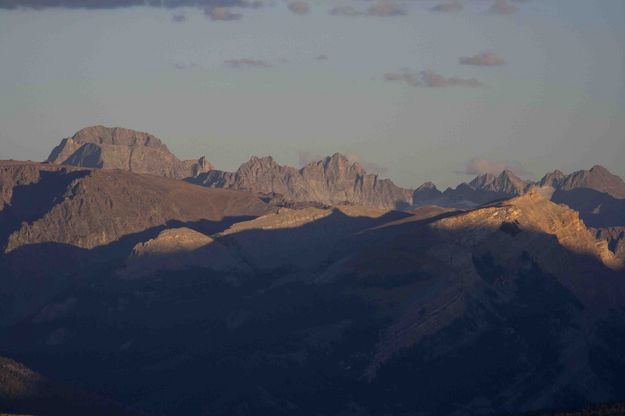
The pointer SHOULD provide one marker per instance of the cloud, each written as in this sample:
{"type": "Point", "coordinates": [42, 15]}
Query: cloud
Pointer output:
{"type": "Point", "coordinates": [478, 166]}
{"type": "Point", "coordinates": [113, 4]}
{"type": "Point", "coordinates": [482, 59]}
{"type": "Point", "coordinates": [247, 63]}
{"type": "Point", "coordinates": [453, 6]}
{"type": "Point", "coordinates": [406, 77]}
{"type": "Point", "coordinates": [223, 14]}
{"type": "Point", "coordinates": [429, 79]}
{"type": "Point", "coordinates": [503, 7]}
{"type": "Point", "coordinates": [299, 7]}
{"type": "Point", "coordinates": [178, 18]}
{"type": "Point", "coordinates": [383, 8]}
{"type": "Point", "coordinates": [321, 57]}
{"type": "Point", "coordinates": [344, 11]}
{"type": "Point", "coordinates": [386, 8]}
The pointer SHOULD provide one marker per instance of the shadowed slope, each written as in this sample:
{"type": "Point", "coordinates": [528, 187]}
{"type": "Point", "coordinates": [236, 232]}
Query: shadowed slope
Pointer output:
{"type": "Point", "coordinates": [93, 208]}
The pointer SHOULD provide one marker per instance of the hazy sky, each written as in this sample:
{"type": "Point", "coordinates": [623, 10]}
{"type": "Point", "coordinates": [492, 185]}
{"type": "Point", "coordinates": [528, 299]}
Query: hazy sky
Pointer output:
{"type": "Point", "coordinates": [418, 89]}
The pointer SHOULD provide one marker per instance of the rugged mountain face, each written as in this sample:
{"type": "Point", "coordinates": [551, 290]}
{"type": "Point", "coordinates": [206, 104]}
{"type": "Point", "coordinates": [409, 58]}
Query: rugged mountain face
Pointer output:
{"type": "Point", "coordinates": [597, 194]}
{"type": "Point", "coordinates": [329, 181]}
{"type": "Point", "coordinates": [615, 237]}
{"type": "Point", "coordinates": [425, 194]}
{"type": "Point", "coordinates": [485, 188]}
{"type": "Point", "coordinates": [91, 208]}
{"type": "Point", "coordinates": [119, 148]}
{"type": "Point", "coordinates": [597, 178]}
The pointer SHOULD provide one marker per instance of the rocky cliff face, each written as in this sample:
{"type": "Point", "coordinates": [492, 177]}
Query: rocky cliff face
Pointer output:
{"type": "Point", "coordinates": [597, 178]}
{"type": "Point", "coordinates": [330, 181]}
{"type": "Point", "coordinates": [119, 148]}
{"type": "Point", "coordinates": [485, 188]}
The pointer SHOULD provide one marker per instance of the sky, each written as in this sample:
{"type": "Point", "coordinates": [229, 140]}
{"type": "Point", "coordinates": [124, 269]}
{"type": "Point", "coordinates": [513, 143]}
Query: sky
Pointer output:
{"type": "Point", "coordinates": [416, 90]}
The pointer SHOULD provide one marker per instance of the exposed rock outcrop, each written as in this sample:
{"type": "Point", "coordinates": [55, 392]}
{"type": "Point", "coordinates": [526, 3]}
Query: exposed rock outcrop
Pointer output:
{"type": "Point", "coordinates": [597, 178]}
{"type": "Point", "coordinates": [330, 181]}
{"type": "Point", "coordinates": [488, 187]}
{"type": "Point", "coordinates": [119, 148]}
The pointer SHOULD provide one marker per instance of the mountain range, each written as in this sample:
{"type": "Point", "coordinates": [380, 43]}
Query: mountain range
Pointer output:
{"type": "Point", "coordinates": [164, 290]}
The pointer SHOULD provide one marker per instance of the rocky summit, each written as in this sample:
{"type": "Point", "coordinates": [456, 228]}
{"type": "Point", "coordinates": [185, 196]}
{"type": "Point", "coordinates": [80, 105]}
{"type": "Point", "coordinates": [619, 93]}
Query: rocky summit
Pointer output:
{"type": "Point", "coordinates": [125, 149]}
{"type": "Point", "coordinates": [334, 179]}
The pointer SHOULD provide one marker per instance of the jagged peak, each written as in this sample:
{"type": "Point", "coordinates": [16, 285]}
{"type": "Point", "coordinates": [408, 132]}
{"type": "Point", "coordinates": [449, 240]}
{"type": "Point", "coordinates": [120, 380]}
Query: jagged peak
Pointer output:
{"type": "Point", "coordinates": [508, 174]}
{"type": "Point", "coordinates": [262, 161]}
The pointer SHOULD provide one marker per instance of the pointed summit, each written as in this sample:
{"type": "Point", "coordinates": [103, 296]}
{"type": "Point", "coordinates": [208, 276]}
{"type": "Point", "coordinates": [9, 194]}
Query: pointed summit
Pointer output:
{"type": "Point", "coordinates": [553, 179]}
{"type": "Point", "coordinates": [426, 193]}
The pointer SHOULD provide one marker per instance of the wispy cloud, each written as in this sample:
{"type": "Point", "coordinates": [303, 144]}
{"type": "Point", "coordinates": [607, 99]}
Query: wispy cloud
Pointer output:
{"type": "Point", "coordinates": [382, 8]}
{"type": "Point", "coordinates": [223, 14]}
{"type": "Point", "coordinates": [479, 166]}
{"type": "Point", "coordinates": [429, 79]}
{"type": "Point", "coordinates": [503, 7]}
{"type": "Point", "coordinates": [386, 8]}
{"type": "Point", "coordinates": [345, 11]}
{"type": "Point", "coordinates": [299, 7]}
{"type": "Point", "coordinates": [113, 4]}
{"type": "Point", "coordinates": [482, 59]}
{"type": "Point", "coordinates": [453, 6]}
{"type": "Point", "coordinates": [247, 63]}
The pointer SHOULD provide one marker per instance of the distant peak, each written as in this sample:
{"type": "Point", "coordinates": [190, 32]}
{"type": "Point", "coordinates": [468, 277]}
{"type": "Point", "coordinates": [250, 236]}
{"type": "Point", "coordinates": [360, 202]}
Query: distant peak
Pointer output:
{"type": "Point", "coordinates": [599, 169]}
{"type": "Point", "coordinates": [507, 173]}
{"type": "Point", "coordinates": [427, 185]}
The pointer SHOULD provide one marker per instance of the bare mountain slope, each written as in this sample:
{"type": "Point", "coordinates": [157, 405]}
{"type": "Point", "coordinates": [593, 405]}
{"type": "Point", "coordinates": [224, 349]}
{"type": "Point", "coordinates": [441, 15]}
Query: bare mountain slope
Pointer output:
{"type": "Point", "coordinates": [90, 208]}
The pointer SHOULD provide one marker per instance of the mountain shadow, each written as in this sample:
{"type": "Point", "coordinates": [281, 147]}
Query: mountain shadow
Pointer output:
{"type": "Point", "coordinates": [340, 313]}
